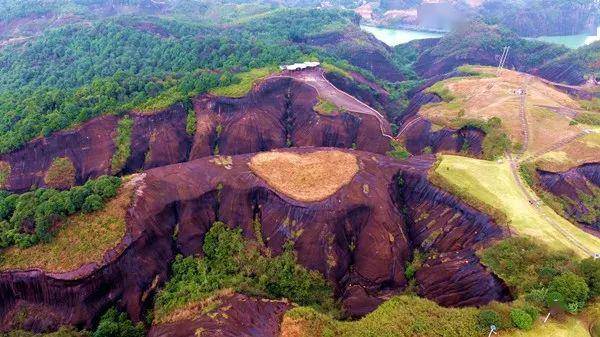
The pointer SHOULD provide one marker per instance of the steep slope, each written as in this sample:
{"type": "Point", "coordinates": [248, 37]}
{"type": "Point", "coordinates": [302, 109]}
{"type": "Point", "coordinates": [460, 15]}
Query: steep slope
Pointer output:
{"type": "Point", "coordinates": [366, 213]}
{"type": "Point", "coordinates": [277, 113]}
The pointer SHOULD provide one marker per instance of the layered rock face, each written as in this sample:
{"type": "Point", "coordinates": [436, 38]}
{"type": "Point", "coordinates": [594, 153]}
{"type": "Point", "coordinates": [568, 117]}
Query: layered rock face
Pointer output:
{"type": "Point", "coordinates": [278, 113]}
{"type": "Point", "coordinates": [159, 139]}
{"type": "Point", "coordinates": [89, 148]}
{"type": "Point", "coordinates": [421, 138]}
{"type": "Point", "coordinates": [448, 233]}
{"type": "Point", "coordinates": [360, 238]}
{"type": "Point", "coordinates": [41, 300]}
{"type": "Point", "coordinates": [579, 189]}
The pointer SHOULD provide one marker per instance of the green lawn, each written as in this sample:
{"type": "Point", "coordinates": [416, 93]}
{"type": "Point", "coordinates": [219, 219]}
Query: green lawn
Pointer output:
{"type": "Point", "coordinates": [247, 80]}
{"type": "Point", "coordinates": [493, 184]}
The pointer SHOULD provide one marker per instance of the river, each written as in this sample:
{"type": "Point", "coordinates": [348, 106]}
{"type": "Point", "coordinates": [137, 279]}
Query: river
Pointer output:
{"type": "Point", "coordinates": [393, 37]}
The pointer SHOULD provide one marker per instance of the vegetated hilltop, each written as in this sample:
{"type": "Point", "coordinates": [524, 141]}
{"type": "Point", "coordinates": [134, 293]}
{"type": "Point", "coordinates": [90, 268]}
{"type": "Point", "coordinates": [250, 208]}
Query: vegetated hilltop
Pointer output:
{"type": "Point", "coordinates": [575, 67]}
{"type": "Point", "coordinates": [478, 43]}
{"type": "Point", "coordinates": [555, 135]}
{"type": "Point", "coordinates": [89, 71]}
{"type": "Point", "coordinates": [214, 235]}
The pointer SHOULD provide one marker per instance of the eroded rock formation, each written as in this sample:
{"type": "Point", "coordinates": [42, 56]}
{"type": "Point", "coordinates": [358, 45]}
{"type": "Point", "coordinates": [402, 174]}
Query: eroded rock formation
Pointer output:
{"type": "Point", "coordinates": [579, 192]}
{"type": "Point", "coordinates": [277, 114]}
{"type": "Point", "coordinates": [360, 238]}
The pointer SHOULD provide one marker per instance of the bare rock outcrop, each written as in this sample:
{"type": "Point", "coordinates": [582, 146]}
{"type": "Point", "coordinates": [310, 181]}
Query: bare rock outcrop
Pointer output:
{"type": "Point", "coordinates": [578, 192]}
{"type": "Point", "coordinates": [359, 238]}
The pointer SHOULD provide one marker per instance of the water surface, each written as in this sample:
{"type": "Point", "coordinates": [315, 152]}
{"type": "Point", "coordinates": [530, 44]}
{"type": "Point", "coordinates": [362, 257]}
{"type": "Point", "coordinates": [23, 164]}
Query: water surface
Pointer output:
{"type": "Point", "coordinates": [393, 37]}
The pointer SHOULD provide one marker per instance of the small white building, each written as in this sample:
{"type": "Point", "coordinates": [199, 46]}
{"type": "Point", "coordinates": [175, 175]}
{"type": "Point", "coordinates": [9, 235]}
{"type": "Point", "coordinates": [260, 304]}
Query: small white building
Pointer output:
{"type": "Point", "coordinates": [299, 66]}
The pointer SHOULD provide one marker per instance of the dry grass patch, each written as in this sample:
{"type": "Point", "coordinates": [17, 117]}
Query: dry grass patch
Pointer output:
{"type": "Point", "coordinates": [81, 239]}
{"type": "Point", "coordinates": [60, 174]}
{"type": "Point", "coordinates": [484, 97]}
{"type": "Point", "coordinates": [305, 177]}
{"type": "Point", "coordinates": [581, 151]}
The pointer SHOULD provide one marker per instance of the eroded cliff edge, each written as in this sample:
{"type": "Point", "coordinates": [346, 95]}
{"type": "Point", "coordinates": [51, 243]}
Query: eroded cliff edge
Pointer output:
{"type": "Point", "coordinates": [359, 238]}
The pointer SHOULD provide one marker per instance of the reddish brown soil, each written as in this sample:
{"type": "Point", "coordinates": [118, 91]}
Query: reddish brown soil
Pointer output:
{"type": "Point", "coordinates": [359, 238]}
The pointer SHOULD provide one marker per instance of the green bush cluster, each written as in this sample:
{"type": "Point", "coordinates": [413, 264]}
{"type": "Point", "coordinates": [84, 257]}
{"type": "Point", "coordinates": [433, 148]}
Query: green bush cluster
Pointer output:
{"type": "Point", "coordinates": [115, 324]}
{"type": "Point", "coordinates": [542, 276]}
{"type": "Point", "coordinates": [527, 172]}
{"type": "Point", "coordinates": [26, 219]}
{"type": "Point", "coordinates": [232, 262]}
{"type": "Point", "coordinates": [122, 145]}
{"type": "Point", "coordinates": [521, 319]}
{"type": "Point", "coordinates": [590, 118]}
{"type": "Point", "coordinates": [496, 142]}
{"type": "Point", "coordinates": [398, 150]}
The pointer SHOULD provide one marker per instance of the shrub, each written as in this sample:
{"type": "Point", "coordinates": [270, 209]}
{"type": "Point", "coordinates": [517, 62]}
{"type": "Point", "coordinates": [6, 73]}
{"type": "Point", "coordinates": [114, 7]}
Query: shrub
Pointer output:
{"type": "Point", "coordinates": [573, 289]}
{"type": "Point", "coordinates": [590, 118]}
{"type": "Point", "coordinates": [4, 173]}
{"type": "Point", "coordinates": [487, 318]}
{"type": "Point", "coordinates": [398, 150]}
{"type": "Point", "coordinates": [231, 262]}
{"type": "Point", "coordinates": [122, 145]}
{"type": "Point", "coordinates": [190, 122]}
{"type": "Point", "coordinates": [27, 218]}
{"type": "Point", "coordinates": [590, 270]}
{"type": "Point", "coordinates": [115, 324]}
{"type": "Point", "coordinates": [527, 172]}
{"type": "Point", "coordinates": [521, 319]}
{"type": "Point", "coordinates": [60, 174]}
{"type": "Point", "coordinates": [92, 203]}
{"type": "Point", "coordinates": [526, 265]}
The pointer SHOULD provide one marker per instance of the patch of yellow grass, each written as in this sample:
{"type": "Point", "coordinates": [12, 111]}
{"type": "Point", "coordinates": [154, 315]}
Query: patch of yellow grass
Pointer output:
{"type": "Point", "coordinates": [483, 97]}
{"type": "Point", "coordinates": [307, 177]}
{"type": "Point", "coordinates": [81, 239]}
{"type": "Point", "coordinates": [493, 184]}
{"type": "Point", "coordinates": [246, 81]}
{"type": "Point", "coordinates": [578, 152]}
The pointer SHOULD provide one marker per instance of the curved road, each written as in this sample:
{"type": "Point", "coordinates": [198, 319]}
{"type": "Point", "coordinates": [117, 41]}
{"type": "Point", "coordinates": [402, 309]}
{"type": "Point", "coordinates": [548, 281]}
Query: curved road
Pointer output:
{"type": "Point", "coordinates": [326, 90]}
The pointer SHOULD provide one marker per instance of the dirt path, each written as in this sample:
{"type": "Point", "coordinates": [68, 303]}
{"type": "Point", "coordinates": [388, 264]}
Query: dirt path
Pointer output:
{"type": "Point", "coordinates": [316, 79]}
{"type": "Point", "coordinates": [514, 166]}
{"type": "Point", "coordinates": [408, 125]}
{"type": "Point", "coordinates": [537, 204]}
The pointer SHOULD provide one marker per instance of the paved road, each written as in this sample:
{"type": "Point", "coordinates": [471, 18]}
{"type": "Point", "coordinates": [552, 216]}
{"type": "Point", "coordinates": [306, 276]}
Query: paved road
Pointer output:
{"type": "Point", "coordinates": [328, 91]}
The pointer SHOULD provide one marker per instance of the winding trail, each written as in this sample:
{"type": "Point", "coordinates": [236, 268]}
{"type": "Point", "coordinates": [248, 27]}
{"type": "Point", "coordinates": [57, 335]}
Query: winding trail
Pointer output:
{"type": "Point", "coordinates": [515, 162]}
{"type": "Point", "coordinates": [536, 203]}
{"type": "Point", "coordinates": [408, 125]}
{"type": "Point", "coordinates": [325, 89]}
